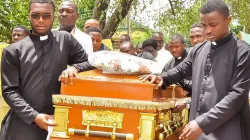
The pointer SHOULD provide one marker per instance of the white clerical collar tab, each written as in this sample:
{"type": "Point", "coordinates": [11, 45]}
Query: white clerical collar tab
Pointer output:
{"type": "Point", "coordinates": [214, 43]}
{"type": "Point", "coordinates": [44, 37]}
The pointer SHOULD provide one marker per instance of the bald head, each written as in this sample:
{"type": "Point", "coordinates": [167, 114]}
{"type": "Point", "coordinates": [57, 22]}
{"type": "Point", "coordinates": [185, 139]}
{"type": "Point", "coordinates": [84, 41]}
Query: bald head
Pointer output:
{"type": "Point", "coordinates": [127, 47]}
{"type": "Point", "coordinates": [91, 23]}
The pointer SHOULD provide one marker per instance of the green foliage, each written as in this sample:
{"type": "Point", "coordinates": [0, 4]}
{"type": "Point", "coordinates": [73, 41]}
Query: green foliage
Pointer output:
{"type": "Point", "coordinates": [185, 16]}
{"type": "Point", "coordinates": [182, 20]}
{"type": "Point", "coordinates": [15, 12]}
{"type": "Point", "coordinates": [85, 8]}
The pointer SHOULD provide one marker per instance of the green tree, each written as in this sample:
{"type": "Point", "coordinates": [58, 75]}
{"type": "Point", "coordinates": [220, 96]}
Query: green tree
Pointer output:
{"type": "Point", "coordinates": [15, 12]}
{"type": "Point", "coordinates": [180, 17]}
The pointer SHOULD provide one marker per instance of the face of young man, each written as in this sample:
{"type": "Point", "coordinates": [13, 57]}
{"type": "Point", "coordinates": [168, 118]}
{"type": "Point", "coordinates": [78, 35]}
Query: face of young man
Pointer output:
{"type": "Point", "coordinates": [215, 25]}
{"type": "Point", "coordinates": [96, 40]}
{"type": "Point", "coordinates": [41, 18]}
{"type": "Point", "coordinates": [176, 48]}
{"type": "Point", "coordinates": [67, 15]}
{"type": "Point", "coordinates": [197, 35]}
{"type": "Point", "coordinates": [18, 34]}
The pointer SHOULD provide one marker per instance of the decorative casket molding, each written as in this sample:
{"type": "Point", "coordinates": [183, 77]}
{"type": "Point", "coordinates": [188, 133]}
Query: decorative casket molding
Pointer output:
{"type": "Point", "coordinates": [117, 103]}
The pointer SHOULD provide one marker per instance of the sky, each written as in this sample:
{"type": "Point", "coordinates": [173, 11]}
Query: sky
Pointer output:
{"type": "Point", "coordinates": [149, 16]}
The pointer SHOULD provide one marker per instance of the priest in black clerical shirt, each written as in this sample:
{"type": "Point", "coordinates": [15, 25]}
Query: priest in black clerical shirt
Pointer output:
{"type": "Point", "coordinates": [177, 49]}
{"type": "Point", "coordinates": [30, 72]}
{"type": "Point", "coordinates": [220, 70]}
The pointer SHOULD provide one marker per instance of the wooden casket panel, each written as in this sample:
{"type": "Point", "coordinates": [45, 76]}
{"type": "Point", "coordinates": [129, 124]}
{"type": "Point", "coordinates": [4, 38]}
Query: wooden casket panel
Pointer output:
{"type": "Point", "coordinates": [142, 119]}
{"type": "Point", "coordinates": [146, 110]}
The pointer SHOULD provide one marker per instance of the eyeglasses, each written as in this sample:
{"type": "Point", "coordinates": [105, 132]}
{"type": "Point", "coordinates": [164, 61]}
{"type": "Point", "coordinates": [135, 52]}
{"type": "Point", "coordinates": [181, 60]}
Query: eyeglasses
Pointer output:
{"type": "Point", "coordinates": [38, 16]}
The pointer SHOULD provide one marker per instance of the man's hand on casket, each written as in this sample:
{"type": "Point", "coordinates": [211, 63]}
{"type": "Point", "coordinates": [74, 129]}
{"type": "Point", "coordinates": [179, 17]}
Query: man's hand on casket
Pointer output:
{"type": "Point", "coordinates": [191, 131]}
{"type": "Point", "coordinates": [42, 120]}
{"type": "Point", "coordinates": [179, 106]}
{"type": "Point", "coordinates": [69, 73]}
{"type": "Point", "coordinates": [153, 79]}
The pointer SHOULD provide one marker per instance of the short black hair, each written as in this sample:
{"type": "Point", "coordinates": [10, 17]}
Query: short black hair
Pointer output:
{"type": "Point", "coordinates": [178, 37]}
{"type": "Point", "coordinates": [150, 42]}
{"type": "Point", "coordinates": [71, 1]}
{"type": "Point", "coordinates": [43, 1]}
{"type": "Point", "coordinates": [157, 33]}
{"type": "Point", "coordinates": [127, 37]}
{"type": "Point", "coordinates": [22, 27]}
{"type": "Point", "coordinates": [215, 6]}
{"type": "Point", "coordinates": [196, 25]}
{"type": "Point", "coordinates": [93, 29]}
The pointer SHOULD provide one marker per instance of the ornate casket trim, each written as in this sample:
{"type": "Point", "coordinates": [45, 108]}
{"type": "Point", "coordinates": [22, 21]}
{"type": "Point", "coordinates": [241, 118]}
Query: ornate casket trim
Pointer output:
{"type": "Point", "coordinates": [118, 103]}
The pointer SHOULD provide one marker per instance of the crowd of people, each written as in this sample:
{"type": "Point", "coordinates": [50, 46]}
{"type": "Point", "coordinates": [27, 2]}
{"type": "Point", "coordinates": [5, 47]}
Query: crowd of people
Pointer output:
{"type": "Point", "coordinates": [214, 71]}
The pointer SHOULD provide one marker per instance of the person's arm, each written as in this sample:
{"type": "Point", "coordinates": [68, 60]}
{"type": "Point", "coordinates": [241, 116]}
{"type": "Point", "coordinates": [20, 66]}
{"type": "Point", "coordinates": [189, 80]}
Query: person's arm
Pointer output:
{"type": "Point", "coordinates": [232, 103]}
{"type": "Point", "coordinates": [177, 73]}
{"type": "Point", "coordinates": [11, 87]}
{"type": "Point", "coordinates": [186, 85]}
{"type": "Point", "coordinates": [78, 57]}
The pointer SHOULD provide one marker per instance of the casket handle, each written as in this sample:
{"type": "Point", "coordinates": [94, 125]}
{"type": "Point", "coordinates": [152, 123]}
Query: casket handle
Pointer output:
{"type": "Point", "coordinates": [101, 134]}
{"type": "Point", "coordinates": [87, 129]}
{"type": "Point", "coordinates": [114, 132]}
{"type": "Point", "coordinates": [173, 91]}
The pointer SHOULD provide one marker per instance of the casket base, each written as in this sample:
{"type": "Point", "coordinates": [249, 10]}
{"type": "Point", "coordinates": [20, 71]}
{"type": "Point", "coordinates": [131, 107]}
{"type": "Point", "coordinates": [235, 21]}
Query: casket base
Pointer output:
{"type": "Point", "coordinates": [89, 118]}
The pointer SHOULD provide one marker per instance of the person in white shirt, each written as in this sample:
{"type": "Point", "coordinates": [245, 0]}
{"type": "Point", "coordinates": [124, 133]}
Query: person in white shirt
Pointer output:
{"type": "Point", "coordinates": [67, 17]}
{"type": "Point", "coordinates": [163, 55]}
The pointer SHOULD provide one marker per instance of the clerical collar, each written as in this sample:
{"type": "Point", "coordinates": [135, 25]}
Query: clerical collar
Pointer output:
{"type": "Point", "coordinates": [39, 38]}
{"type": "Point", "coordinates": [220, 42]}
{"type": "Point", "coordinates": [184, 54]}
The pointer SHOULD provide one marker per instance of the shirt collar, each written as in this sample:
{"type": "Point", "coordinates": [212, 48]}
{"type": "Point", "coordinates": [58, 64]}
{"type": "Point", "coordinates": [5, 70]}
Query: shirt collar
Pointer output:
{"type": "Point", "coordinates": [74, 30]}
{"type": "Point", "coordinates": [220, 42]}
{"type": "Point", "coordinates": [183, 56]}
{"type": "Point", "coordinates": [40, 38]}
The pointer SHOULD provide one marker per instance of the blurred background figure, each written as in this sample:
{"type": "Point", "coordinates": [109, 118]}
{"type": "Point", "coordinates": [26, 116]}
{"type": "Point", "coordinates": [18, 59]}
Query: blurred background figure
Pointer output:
{"type": "Point", "coordinates": [68, 15]}
{"type": "Point", "coordinates": [139, 48]}
{"type": "Point", "coordinates": [91, 23]}
{"type": "Point", "coordinates": [123, 38]}
{"type": "Point", "coordinates": [96, 35]}
{"type": "Point", "coordinates": [95, 23]}
{"type": "Point", "coordinates": [163, 54]}
{"type": "Point", "coordinates": [158, 37]}
{"type": "Point", "coordinates": [19, 32]}
{"type": "Point", "coordinates": [197, 34]}
{"type": "Point", "coordinates": [150, 46]}
{"type": "Point", "coordinates": [177, 49]}
{"type": "Point", "coordinates": [128, 48]}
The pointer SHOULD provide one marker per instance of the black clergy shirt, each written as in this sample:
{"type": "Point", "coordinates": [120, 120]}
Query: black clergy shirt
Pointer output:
{"type": "Point", "coordinates": [30, 71]}
{"type": "Point", "coordinates": [220, 85]}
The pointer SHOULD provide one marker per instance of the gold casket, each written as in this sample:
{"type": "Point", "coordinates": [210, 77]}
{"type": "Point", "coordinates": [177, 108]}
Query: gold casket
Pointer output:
{"type": "Point", "coordinates": [101, 107]}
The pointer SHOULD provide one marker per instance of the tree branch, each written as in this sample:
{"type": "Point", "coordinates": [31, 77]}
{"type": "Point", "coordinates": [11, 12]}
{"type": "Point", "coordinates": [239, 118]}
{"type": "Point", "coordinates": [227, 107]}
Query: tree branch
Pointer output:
{"type": "Point", "coordinates": [119, 14]}
{"type": "Point", "coordinates": [172, 8]}
{"type": "Point", "coordinates": [100, 11]}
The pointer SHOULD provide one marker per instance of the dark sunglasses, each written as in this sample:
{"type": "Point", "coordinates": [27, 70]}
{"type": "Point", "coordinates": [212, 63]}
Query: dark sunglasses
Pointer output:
{"type": "Point", "coordinates": [38, 16]}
